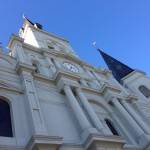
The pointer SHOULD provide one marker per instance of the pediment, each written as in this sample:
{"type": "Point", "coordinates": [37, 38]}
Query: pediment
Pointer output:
{"type": "Point", "coordinates": [7, 86]}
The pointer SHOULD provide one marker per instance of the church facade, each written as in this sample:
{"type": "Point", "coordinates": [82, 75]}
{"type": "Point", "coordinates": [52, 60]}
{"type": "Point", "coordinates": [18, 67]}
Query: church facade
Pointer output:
{"type": "Point", "coordinates": [50, 99]}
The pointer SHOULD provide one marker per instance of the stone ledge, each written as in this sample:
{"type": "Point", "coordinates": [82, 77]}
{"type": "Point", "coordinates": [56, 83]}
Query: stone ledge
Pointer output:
{"type": "Point", "coordinates": [97, 140]}
{"type": "Point", "coordinates": [44, 142]}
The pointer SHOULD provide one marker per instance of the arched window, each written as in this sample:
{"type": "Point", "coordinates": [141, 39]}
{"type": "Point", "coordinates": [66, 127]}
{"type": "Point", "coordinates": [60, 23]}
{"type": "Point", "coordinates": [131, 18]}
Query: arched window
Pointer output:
{"type": "Point", "coordinates": [5, 119]}
{"type": "Point", "coordinates": [145, 91]}
{"type": "Point", "coordinates": [36, 68]}
{"type": "Point", "coordinates": [111, 127]}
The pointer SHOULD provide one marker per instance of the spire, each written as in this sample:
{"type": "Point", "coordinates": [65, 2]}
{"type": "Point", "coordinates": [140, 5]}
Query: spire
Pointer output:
{"type": "Point", "coordinates": [119, 70]}
{"type": "Point", "coordinates": [26, 21]}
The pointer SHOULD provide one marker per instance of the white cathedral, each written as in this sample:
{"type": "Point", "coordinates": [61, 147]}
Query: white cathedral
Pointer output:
{"type": "Point", "coordinates": [50, 99]}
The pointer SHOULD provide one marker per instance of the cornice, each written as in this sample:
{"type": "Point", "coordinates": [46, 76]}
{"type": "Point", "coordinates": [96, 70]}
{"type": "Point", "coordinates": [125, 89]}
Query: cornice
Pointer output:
{"type": "Point", "coordinates": [101, 92]}
{"type": "Point", "coordinates": [107, 87]}
{"type": "Point", "coordinates": [24, 67]}
{"type": "Point", "coordinates": [90, 90]}
{"type": "Point", "coordinates": [99, 71]}
{"type": "Point", "coordinates": [87, 65]}
{"type": "Point", "coordinates": [43, 78]}
{"type": "Point", "coordinates": [65, 55]}
{"type": "Point", "coordinates": [14, 38]}
{"type": "Point", "coordinates": [65, 78]}
{"type": "Point", "coordinates": [32, 48]}
{"type": "Point", "coordinates": [69, 75]}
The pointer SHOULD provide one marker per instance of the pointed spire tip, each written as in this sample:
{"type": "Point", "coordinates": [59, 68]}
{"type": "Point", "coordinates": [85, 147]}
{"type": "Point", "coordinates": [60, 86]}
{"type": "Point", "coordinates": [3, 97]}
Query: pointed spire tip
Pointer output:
{"type": "Point", "coordinates": [95, 46]}
{"type": "Point", "coordinates": [23, 16]}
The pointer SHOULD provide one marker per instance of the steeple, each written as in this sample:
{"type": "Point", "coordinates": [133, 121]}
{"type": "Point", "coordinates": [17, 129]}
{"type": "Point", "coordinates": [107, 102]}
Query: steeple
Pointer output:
{"type": "Point", "coordinates": [26, 22]}
{"type": "Point", "coordinates": [119, 70]}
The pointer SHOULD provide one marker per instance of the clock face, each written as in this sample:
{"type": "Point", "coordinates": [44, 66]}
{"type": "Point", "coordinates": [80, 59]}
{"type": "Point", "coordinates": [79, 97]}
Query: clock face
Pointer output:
{"type": "Point", "coordinates": [70, 67]}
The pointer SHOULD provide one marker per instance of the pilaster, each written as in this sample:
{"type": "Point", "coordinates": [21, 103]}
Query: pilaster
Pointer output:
{"type": "Point", "coordinates": [31, 98]}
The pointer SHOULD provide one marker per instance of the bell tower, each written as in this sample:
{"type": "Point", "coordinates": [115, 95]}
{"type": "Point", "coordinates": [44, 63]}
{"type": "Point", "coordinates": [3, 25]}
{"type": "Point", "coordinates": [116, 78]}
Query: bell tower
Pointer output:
{"type": "Point", "coordinates": [134, 80]}
{"type": "Point", "coordinates": [33, 34]}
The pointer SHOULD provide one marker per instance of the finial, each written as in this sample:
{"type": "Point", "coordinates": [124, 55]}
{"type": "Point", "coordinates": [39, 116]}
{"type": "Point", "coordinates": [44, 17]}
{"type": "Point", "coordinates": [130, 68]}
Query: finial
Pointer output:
{"type": "Point", "coordinates": [95, 46]}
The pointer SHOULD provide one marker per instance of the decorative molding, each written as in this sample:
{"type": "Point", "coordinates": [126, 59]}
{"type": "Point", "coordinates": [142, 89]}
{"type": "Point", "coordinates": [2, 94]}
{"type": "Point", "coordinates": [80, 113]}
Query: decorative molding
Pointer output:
{"type": "Point", "coordinates": [7, 86]}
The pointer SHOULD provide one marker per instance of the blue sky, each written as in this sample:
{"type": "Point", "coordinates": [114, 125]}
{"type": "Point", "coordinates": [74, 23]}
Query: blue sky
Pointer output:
{"type": "Point", "coordinates": [121, 28]}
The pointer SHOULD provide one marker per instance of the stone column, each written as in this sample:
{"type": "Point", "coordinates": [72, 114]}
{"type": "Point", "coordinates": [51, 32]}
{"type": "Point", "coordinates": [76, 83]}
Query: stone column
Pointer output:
{"type": "Point", "coordinates": [128, 118]}
{"type": "Point", "coordinates": [84, 123]}
{"type": "Point", "coordinates": [90, 111]}
{"type": "Point", "coordinates": [136, 117]}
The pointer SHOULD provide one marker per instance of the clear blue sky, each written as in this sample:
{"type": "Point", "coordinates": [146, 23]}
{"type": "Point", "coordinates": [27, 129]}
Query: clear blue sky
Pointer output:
{"type": "Point", "coordinates": [121, 28]}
